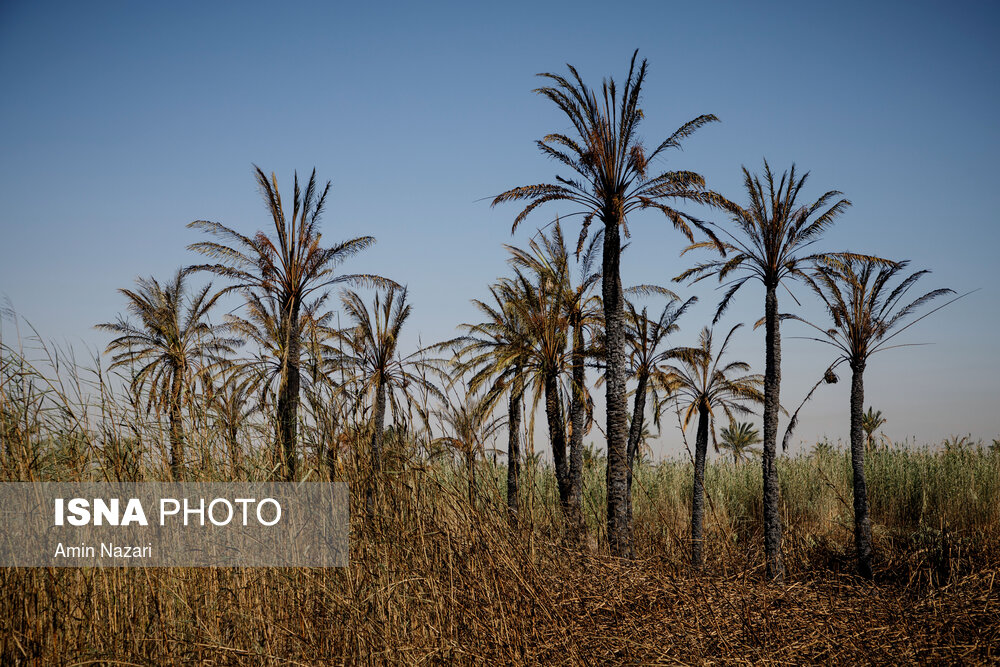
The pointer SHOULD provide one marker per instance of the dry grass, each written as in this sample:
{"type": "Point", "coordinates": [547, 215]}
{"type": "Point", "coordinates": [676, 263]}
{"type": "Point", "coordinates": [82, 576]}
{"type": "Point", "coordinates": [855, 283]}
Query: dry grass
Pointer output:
{"type": "Point", "coordinates": [435, 579]}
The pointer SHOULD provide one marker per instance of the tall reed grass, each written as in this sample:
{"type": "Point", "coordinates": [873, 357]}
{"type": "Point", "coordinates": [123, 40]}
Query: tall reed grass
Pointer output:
{"type": "Point", "coordinates": [437, 577]}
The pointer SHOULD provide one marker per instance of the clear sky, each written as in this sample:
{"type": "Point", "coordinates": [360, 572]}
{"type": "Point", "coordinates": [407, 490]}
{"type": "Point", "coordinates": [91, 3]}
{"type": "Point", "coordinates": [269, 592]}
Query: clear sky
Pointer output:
{"type": "Point", "coordinates": [120, 122]}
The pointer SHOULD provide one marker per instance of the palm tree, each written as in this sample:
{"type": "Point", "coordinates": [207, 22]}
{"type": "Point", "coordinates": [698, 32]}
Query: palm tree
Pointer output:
{"type": "Point", "coordinates": [372, 357]}
{"type": "Point", "coordinates": [536, 303]}
{"type": "Point", "coordinates": [230, 406]}
{"type": "Point", "coordinates": [866, 316]}
{"type": "Point", "coordinates": [611, 180]}
{"type": "Point", "coordinates": [771, 244]}
{"type": "Point", "coordinates": [290, 268]}
{"type": "Point", "coordinates": [871, 421]}
{"type": "Point", "coordinates": [704, 387]}
{"type": "Point", "coordinates": [264, 327]}
{"type": "Point", "coordinates": [739, 439]}
{"type": "Point", "coordinates": [645, 338]}
{"type": "Point", "coordinates": [468, 425]}
{"type": "Point", "coordinates": [549, 256]}
{"type": "Point", "coordinates": [494, 352]}
{"type": "Point", "coordinates": [173, 344]}
{"type": "Point", "coordinates": [583, 309]}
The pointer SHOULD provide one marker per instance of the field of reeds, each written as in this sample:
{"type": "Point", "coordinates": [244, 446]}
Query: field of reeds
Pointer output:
{"type": "Point", "coordinates": [440, 575]}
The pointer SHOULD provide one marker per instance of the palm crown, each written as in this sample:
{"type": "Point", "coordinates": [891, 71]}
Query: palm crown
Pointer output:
{"type": "Point", "coordinates": [610, 162]}
{"type": "Point", "coordinates": [773, 236]}
{"type": "Point", "coordinates": [172, 344]}
{"type": "Point", "coordinates": [699, 382]}
{"type": "Point", "coordinates": [866, 313]}
{"type": "Point", "coordinates": [739, 439]}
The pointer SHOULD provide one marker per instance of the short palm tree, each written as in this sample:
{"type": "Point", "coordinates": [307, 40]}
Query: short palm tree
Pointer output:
{"type": "Point", "coordinates": [771, 243]}
{"type": "Point", "coordinates": [173, 344]}
{"type": "Point", "coordinates": [704, 386]}
{"type": "Point", "coordinates": [739, 439]}
{"type": "Point", "coordinates": [611, 180]}
{"type": "Point", "coordinates": [645, 339]}
{"type": "Point", "coordinates": [536, 304]}
{"type": "Point", "coordinates": [494, 352]}
{"type": "Point", "coordinates": [230, 406]}
{"type": "Point", "coordinates": [291, 268]}
{"type": "Point", "coordinates": [371, 357]}
{"type": "Point", "coordinates": [467, 424]}
{"type": "Point", "coordinates": [872, 421]}
{"type": "Point", "coordinates": [548, 256]}
{"type": "Point", "coordinates": [867, 314]}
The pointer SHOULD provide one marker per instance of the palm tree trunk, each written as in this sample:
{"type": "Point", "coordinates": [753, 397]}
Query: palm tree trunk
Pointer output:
{"type": "Point", "coordinates": [288, 397]}
{"type": "Point", "coordinates": [176, 427]}
{"type": "Point", "coordinates": [619, 528]}
{"type": "Point", "coordinates": [862, 519]}
{"type": "Point", "coordinates": [698, 490]}
{"type": "Point", "coordinates": [772, 384]}
{"type": "Point", "coordinates": [634, 434]}
{"type": "Point", "coordinates": [578, 409]}
{"type": "Point", "coordinates": [557, 437]}
{"type": "Point", "coordinates": [514, 446]}
{"type": "Point", "coordinates": [378, 422]}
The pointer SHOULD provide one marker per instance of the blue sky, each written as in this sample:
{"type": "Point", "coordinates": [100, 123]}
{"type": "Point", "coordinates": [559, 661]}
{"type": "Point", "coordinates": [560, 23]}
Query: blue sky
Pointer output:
{"type": "Point", "coordinates": [122, 122]}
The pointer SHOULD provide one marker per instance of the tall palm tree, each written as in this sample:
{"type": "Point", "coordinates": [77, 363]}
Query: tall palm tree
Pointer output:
{"type": "Point", "coordinates": [173, 344]}
{"type": "Point", "coordinates": [705, 387]}
{"type": "Point", "coordinates": [372, 357]}
{"type": "Point", "coordinates": [739, 439]}
{"type": "Point", "coordinates": [646, 353]}
{"type": "Point", "coordinates": [867, 314]}
{"type": "Point", "coordinates": [771, 243]}
{"type": "Point", "coordinates": [611, 180]}
{"type": "Point", "coordinates": [290, 267]}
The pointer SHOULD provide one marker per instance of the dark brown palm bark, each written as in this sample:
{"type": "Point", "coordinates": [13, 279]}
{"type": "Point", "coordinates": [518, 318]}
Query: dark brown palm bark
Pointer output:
{"type": "Point", "coordinates": [514, 447]}
{"type": "Point", "coordinates": [862, 518]}
{"type": "Point", "coordinates": [698, 490]}
{"type": "Point", "coordinates": [176, 428]}
{"type": "Point", "coordinates": [578, 410]}
{"type": "Point", "coordinates": [634, 434]}
{"type": "Point", "coordinates": [772, 381]}
{"type": "Point", "coordinates": [288, 397]}
{"type": "Point", "coordinates": [557, 437]}
{"type": "Point", "coordinates": [619, 529]}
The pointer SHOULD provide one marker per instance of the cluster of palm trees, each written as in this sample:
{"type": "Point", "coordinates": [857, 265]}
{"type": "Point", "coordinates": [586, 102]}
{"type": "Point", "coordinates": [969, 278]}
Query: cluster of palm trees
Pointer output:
{"type": "Point", "coordinates": [770, 239]}
{"type": "Point", "coordinates": [178, 358]}
{"type": "Point", "coordinates": [542, 328]}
